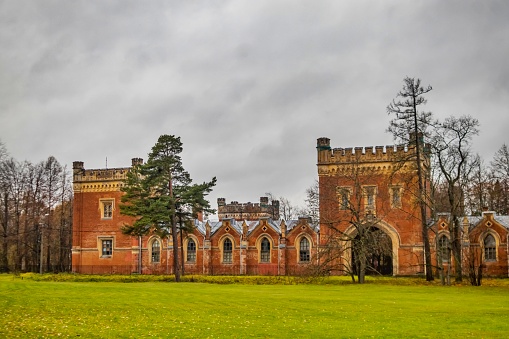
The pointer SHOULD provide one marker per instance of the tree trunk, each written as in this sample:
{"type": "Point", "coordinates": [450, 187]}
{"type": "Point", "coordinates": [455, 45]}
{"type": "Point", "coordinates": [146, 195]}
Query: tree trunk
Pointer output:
{"type": "Point", "coordinates": [5, 225]}
{"type": "Point", "coordinates": [362, 271]}
{"type": "Point", "coordinates": [174, 237]}
{"type": "Point", "coordinates": [182, 251]}
{"type": "Point", "coordinates": [174, 234]}
{"type": "Point", "coordinates": [422, 202]}
{"type": "Point", "coordinates": [456, 250]}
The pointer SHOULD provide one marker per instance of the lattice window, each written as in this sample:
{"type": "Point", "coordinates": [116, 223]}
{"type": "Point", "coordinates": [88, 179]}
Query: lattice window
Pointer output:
{"type": "Point", "coordinates": [304, 254]}
{"type": "Point", "coordinates": [191, 251]}
{"type": "Point", "coordinates": [370, 195]}
{"type": "Point", "coordinates": [265, 250]}
{"type": "Point", "coordinates": [106, 209]}
{"type": "Point", "coordinates": [156, 251]}
{"type": "Point", "coordinates": [344, 197]}
{"type": "Point", "coordinates": [490, 248]}
{"type": "Point", "coordinates": [106, 247]}
{"type": "Point", "coordinates": [227, 251]}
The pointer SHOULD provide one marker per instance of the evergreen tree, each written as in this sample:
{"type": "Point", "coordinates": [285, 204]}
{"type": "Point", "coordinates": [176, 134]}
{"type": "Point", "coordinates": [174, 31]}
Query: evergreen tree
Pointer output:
{"type": "Point", "coordinates": [160, 194]}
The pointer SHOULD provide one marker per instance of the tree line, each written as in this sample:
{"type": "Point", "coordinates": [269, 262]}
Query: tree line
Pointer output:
{"type": "Point", "coordinates": [35, 215]}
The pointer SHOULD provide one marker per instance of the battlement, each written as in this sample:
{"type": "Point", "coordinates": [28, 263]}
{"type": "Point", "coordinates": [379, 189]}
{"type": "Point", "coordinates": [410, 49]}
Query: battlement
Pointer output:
{"type": "Point", "coordinates": [248, 210]}
{"type": "Point", "coordinates": [101, 179]}
{"type": "Point", "coordinates": [367, 154]}
{"type": "Point", "coordinates": [80, 174]}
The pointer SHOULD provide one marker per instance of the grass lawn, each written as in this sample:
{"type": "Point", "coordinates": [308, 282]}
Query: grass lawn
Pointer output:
{"type": "Point", "coordinates": [31, 309]}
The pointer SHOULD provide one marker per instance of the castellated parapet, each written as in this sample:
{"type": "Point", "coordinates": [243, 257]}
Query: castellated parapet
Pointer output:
{"type": "Point", "coordinates": [99, 180]}
{"type": "Point", "coordinates": [248, 210]}
{"type": "Point", "coordinates": [360, 154]}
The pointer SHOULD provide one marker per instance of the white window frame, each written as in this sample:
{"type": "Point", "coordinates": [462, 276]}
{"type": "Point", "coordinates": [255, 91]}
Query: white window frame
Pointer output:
{"type": "Point", "coordinates": [101, 242]}
{"type": "Point", "coordinates": [106, 212]}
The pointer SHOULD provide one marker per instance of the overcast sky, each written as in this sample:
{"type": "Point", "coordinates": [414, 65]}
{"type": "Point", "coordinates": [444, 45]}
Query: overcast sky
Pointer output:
{"type": "Point", "coordinates": [248, 85]}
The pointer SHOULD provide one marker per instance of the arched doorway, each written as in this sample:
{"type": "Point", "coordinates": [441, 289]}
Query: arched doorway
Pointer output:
{"type": "Point", "coordinates": [376, 247]}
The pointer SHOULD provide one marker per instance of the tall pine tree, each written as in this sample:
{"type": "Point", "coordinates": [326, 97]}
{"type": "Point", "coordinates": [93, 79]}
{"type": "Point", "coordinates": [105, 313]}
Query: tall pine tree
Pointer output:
{"type": "Point", "coordinates": [160, 194]}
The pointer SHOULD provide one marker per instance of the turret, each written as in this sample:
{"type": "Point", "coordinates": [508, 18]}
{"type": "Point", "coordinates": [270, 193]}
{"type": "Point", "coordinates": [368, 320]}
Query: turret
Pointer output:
{"type": "Point", "coordinates": [78, 168]}
{"type": "Point", "coordinates": [136, 161]}
{"type": "Point", "coordinates": [323, 149]}
{"type": "Point", "coordinates": [78, 165]}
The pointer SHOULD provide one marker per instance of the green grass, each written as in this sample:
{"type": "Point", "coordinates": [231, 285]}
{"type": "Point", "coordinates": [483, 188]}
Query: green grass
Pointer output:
{"type": "Point", "coordinates": [406, 308]}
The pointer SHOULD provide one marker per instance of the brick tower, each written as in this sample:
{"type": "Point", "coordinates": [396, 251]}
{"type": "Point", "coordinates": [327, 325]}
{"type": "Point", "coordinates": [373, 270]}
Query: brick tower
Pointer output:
{"type": "Point", "coordinates": [375, 183]}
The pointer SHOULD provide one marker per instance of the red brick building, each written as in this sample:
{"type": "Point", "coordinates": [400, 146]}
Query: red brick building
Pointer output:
{"type": "Point", "coordinates": [385, 179]}
{"type": "Point", "coordinates": [228, 246]}
{"type": "Point", "coordinates": [484, 240]}
{"type": "Point", "coordinates": [378, 182]}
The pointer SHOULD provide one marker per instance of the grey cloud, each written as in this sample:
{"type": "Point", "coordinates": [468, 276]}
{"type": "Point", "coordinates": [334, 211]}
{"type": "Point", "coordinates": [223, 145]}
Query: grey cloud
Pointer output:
{"type": "Point", "coordinates": [249, 86]}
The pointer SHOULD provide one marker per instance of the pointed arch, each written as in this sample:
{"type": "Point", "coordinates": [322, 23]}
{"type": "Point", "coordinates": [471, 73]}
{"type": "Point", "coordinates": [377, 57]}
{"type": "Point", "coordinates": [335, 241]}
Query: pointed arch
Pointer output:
{"type": "Point", "coordinates": [264, 245]}
{"type": "Point", "coordinates": [490, 242]}
{"type": "Point", "coordinates": [226, 246]}
{"type": "Point", "coordinates": [389, 231]}
{"type": "Point", "coordinates": [154, 247]}
{"type": "Point", "coordinates": [191, 246]}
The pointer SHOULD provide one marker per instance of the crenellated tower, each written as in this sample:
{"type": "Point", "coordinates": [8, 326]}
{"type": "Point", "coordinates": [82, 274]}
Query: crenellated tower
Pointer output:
{"type": "Point", "coordinates": [378, 183]}
{"type": "Point", "coordinates": [97, 242]}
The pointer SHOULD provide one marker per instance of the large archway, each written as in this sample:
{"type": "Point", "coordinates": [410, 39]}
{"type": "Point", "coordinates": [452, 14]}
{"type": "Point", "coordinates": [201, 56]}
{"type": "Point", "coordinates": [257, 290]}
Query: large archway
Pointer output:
{"type": "Point", "coordinates": [376, 247]}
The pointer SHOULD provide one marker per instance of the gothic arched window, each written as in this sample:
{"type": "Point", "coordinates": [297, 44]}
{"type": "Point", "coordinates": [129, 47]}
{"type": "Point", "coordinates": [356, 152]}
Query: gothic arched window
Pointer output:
{"type": "Point", "coordinates": [191, 251]}
{"type": "Point", "coordinates": [490, 248]}
{"type": "Point", "coordinates": [227, 251]}
{"type": "Point", "coordinates": [304, 255]}
{"type": "Point", "coordinates": [265, 250]}
{"type": "Point", "coordinates": [156, 251]}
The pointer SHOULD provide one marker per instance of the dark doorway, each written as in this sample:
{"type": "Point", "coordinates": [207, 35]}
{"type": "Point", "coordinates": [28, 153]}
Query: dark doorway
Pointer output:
{"type": "Point", "coordinates": [378, 248]}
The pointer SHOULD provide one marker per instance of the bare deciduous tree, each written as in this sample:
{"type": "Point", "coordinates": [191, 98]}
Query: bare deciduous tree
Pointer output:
{"type": "Point", "coordinates": [410, 122]}
{"type": "Point", "coordinates": [287, 210]}
{"type": "Point", "coordinates": [500, 168]}
{"type": "Point", "coordinates": [453, 156]}
{"type": "Point", "coordinates": [27, 193]}
{"type": "Point", "coordinates": [312, 204]}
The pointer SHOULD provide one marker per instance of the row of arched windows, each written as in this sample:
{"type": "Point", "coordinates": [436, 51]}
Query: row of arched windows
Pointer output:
{"type": "Point", "coordinates": [156, 251]}
{"type": "Point", "coordinates": [304, 250]}
{"type": "Point", "coordinates": [489, 249]}
{"type": "Point", "coordinates": [227, 250]}
{"type": "Point", "coordinates": [489, 246]}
